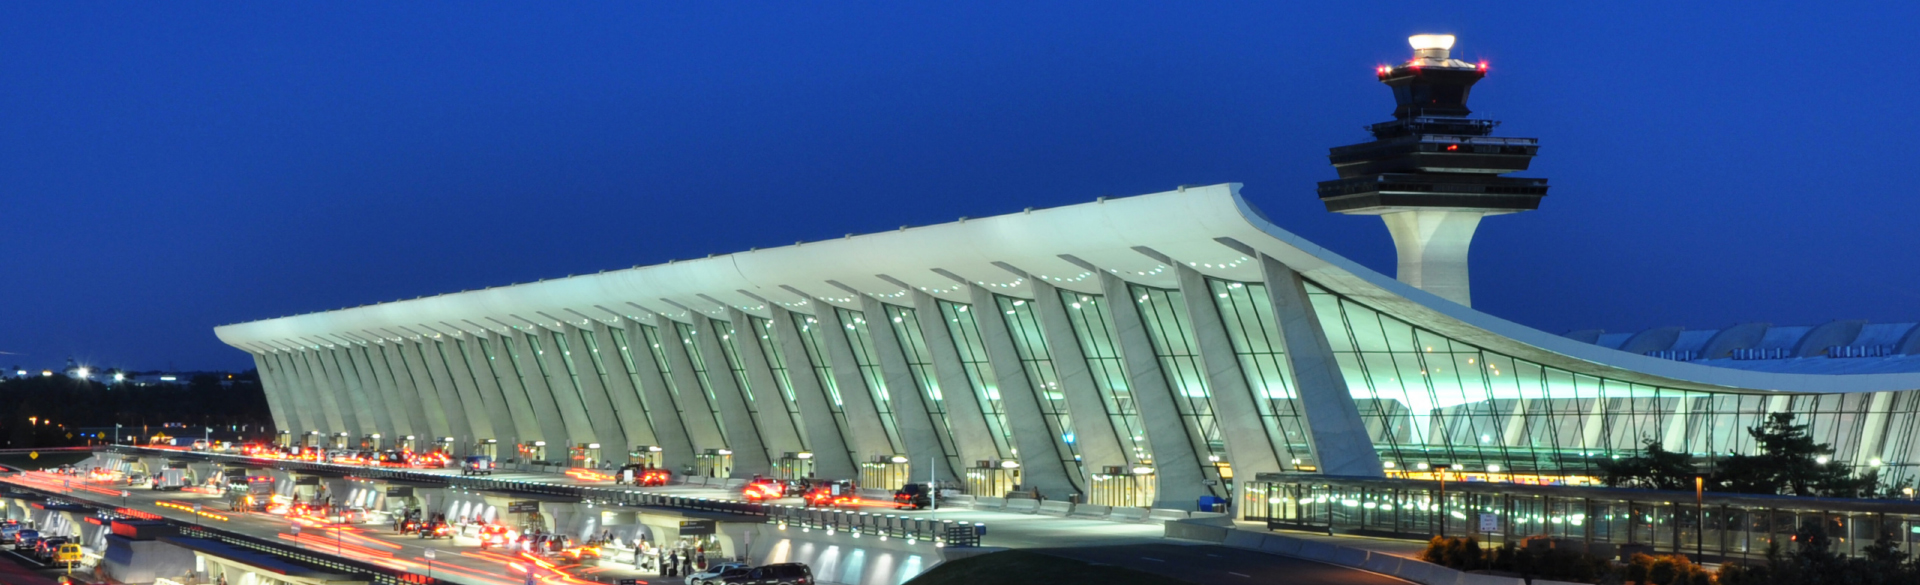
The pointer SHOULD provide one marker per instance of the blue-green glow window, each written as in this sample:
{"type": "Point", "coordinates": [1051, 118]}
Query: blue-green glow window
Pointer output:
{"type": "Point", "coordinates": [1088, 315]}
{"type": "Point", "coordinates": [823, 373]}
{"type": "Point", "coordinates": [1037, 362]}
{"type": "Point", "coordinates": [699, 364]}
{"type": "Point", "coordinates": [1251, 327]}
{"type": "Point", "coordinates": [777, 363]}
{"type": "Point", "coordinates": [868, 361]}
{"type": "Point", "coordinates": [1166, 322]}
{"type": "Point", "coordinates": [973, 358]}
{"type": "Point", "coordinates": [913, 344]}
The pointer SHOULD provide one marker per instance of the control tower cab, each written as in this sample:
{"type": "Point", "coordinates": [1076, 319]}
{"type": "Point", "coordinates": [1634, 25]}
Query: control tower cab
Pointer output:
{"type": "Point", "coordinates": [1432, 172]}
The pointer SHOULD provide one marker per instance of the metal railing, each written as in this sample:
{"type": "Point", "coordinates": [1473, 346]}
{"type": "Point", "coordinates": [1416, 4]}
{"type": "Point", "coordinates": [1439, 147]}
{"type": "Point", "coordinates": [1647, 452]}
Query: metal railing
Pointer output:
{"type": "Point", "coordinates": [913, 529]}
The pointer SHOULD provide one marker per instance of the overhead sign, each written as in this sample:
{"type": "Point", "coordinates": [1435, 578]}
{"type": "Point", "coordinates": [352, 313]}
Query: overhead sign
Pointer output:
{"type": "Point", "coordinates": [696, 527]}
{"type": "Point", "coordinates": [399, 491]}
{"type": "Point", "coordinates": [306, 480]}
{"type": "Point", "coordinates": [523, 507]}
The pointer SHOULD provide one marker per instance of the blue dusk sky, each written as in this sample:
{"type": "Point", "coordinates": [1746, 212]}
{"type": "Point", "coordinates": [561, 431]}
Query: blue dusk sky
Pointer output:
{"type": "Point", "coordinates": [166, 167]}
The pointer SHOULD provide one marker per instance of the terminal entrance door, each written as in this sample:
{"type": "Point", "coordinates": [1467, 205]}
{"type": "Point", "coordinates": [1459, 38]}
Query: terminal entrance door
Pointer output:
{"type": "Point", "coordinates": [716, 463]}
{"type": "Point", "coordinates": [992, 479]}
{"type": "Point", "coordinates": [407, 444]}
{"type": "Point", "coordinates": [584, 455]}
{"type": "Point", "coordinates": [444, 446]}
{"type": "Point", "coordinates": [340, 440]}
{"type": "Point", "coordinates": [885, 472]}
{"type": "Point", "coordinates": [794, 466]}
{"type": "Point", "coordinates": [1119, 486]}
{"type": "Point", "coordinates": [284, 439]}
{"type": "Point", "coordinates": [370, 443]}
{"type": "Point", "coordinates": [648, 456]}
{"type": "Point", "coordinates": [311, 439]}
{"type": "Point", "coordinates": [533, 452]}
{"type": "Point", "coordinates": [489, 448]}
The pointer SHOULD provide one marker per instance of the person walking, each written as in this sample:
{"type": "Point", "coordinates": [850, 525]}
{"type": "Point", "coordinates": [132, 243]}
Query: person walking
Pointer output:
{"type": "Point", "coordinates": [669, 568]}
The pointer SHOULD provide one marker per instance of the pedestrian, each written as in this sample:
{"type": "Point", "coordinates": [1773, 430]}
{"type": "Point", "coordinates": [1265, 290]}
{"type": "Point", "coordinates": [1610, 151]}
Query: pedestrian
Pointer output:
{"type": "Point", "coordinates": [673, 562]}
{"type": "Point", "coordinates": [700, 559]}
{"type": "Point", "coordinates": [686, 564]}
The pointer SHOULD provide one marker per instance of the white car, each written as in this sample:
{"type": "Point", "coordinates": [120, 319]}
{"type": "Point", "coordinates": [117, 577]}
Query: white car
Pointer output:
{"type": "Point", "coordinates": [200, 445]}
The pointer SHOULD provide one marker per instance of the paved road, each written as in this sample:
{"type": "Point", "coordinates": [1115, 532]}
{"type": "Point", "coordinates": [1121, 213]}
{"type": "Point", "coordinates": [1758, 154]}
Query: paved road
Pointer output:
{"type": "Point", "coordinates": [459, 559]}
{"type": "Point", "coordinates": [1206, 564]}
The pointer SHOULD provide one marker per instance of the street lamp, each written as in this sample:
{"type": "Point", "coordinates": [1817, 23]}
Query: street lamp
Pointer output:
{"type": "Point", "coordinates": [1699, 518]}
{"type": "Point", "coordinates": [1442, 511]}
{"type": "Point", "coordinates": [1909, 492]}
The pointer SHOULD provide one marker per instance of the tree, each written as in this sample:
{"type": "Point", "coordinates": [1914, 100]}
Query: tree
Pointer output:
{"type": "Point", "coordinates": [1790, 462]}
{"type": "Point", "coordinates": [1654, 468]}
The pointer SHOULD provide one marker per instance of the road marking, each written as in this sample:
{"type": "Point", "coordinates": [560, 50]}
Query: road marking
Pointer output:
{"type": "Point", "coordinates": [1152, 559]}
{"type": "Point", "coordinates": [1213, 555]}
{"type": "Point", "coordinates": [1236, 574]}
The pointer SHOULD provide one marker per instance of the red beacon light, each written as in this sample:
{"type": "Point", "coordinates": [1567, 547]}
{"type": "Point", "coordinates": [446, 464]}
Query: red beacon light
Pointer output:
{"type": "Point", "coordinates": [1483, 65]}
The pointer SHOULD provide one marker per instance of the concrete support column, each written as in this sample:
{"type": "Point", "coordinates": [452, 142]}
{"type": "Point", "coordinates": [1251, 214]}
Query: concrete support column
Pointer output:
{"type": "Point", "coordinates": [1042, 464]}
{"type": "Point", "coordinates": [350, 412]}
{"type": "Point", "coordinates": [526, 366]}
{"type": "Point", "coordinates": [321, 392]}
{"type": "Point", "coordinates": [831, 457]}
{"type": "Point", "coordinates": [391, 371]}
{"type": "Point", "coordinates": [696, 411]}
{"type": "Point", "coordinates": [428, 355]}
{"type": "Point", "coordinates": [473, 408]}
{"type": "Point", "coordinates": [776, 426]}
{"type": "Point", "coordinates": [1179, 470]}
{"type": "Point", "coordinates": [593, 391]}
{"type": "Point", "coordinates": [275, 390]}
{"type": "Point", "coordinates": [1873, 430]}
{"type": "Point", "coordinates": [566, 394]}
{"type": "Point", "coordinates": [439, 421]}
{"type": "Point", "coordinates": [1093, 431]}
{"type": "Point", "coordinates": [965, 417]}
{"type": "Point", "coordinates": [912, 415]}
{"type": "Point", "coordinates": [386, 415]}
{"type": "Point", "coordinates": [1249, 446]}
{"type": "Point", "coordinates": [662, 408]}
{"type": "Point", "coordinates": [366, 403]}
{"type": "Point", "coordinates": [621, 391]}
{"type": "Point", "coordinates": [750, 454]}
{"type": "Point", "coordinates": [868, 432]}
{"type": "Point", "coordinates": [487, 385]}
{"type": "Point", "coordinates": [1433, 250]}
{"type": "Point", "coordinates": [1340, 440]}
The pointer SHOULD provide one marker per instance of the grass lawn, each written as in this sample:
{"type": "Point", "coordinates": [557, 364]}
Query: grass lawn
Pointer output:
{"type": "Point", "coordinates": [1018, 566]}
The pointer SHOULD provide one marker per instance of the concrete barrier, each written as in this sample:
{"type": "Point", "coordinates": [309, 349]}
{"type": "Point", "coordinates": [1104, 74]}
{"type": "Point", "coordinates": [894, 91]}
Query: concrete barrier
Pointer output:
{"type": "Point", "coordinates": [1059, 508]}
{"type": "Point", "coordinates": [1128, 514]}
{"type": "Point", "coordinates": [1410, 569]}
{"type": "Point", "coordinates": [1091, 511]}
{"type": "Point", "coordinates": [1244, 539]}
{"type": "Point", "coordinates": [1023, 506]}
{"type": "Point", "coordinates": [1166, 514]}
{"type": "Point", "coordinates": [989, 503]}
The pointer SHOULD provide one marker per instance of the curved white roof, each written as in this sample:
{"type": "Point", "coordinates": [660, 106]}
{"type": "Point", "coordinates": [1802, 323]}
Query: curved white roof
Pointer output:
{"type": "Point", "coordinates": [1212, 229]}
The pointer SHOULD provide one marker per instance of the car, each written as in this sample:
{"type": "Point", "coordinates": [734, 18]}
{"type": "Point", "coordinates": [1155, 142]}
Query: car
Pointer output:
{"type": "Point", "coordinates": [763, 489]}
{"type": "Point", "coordinates": [46, 548]}
{"type": "Point", "coordinates": [201, 445]}
{"type": "Point", "coordinates": [9, 529]}
{"type": "Point", "coordinates": [25, 539]}
{"type": "Point", "coordinates": [68, 553]}
{"type": "Point", "coordinates": [832, 494]}
{"type": "Point", "coordinates": [477, 465]}
{"type": "Point", "coordinates": [913, 496]}
{"type": "Point", "coordinates": [776, 574]}
{"type": "Point", "coordinates": [718, 573]}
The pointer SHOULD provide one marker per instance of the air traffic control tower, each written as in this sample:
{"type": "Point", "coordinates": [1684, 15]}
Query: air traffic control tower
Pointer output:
{"type": "Point", "coordinates": [1432, 172]}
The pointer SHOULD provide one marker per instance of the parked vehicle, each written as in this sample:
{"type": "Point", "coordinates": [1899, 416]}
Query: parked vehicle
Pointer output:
{"type": "Point", "coordinates": [778, 574]}
{"type": "Point", "coordinates": [762, 489]}
{"type": "Point", "coordinates": [9, 529]}
{"type": "Point", "coordinates": [718, 573]}
{"type": "Point", "coordinates": [47, 548]}
{"type": "Point", "coordinates": [68, 553]}
{"type": "Point", "coordinates": [170, 480]}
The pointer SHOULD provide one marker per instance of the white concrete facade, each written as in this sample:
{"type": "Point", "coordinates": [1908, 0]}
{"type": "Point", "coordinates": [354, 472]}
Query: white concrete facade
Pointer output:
{"type": "Point", "coordinates": [1239, 346]}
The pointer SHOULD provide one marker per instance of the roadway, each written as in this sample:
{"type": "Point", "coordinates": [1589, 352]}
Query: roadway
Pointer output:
{"type": "Point", "coordinates": [1208, 564]}
{"type": "Point", "coordinates": [459, 559]}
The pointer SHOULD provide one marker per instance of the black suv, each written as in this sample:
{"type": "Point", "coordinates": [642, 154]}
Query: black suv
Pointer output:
{"type": "Point", "coordinates": [780, 574]}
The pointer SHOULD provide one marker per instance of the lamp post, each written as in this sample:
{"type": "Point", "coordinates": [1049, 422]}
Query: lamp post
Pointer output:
{"type": "Point", "coordinates": [1441, 512]}
{"type": "Point", "coordinates": [1699, 518]}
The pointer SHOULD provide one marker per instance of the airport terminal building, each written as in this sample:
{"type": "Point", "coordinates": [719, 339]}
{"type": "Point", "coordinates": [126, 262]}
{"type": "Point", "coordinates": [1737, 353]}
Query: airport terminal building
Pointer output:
{"type": "Point", "coordinates": [1141, 350]}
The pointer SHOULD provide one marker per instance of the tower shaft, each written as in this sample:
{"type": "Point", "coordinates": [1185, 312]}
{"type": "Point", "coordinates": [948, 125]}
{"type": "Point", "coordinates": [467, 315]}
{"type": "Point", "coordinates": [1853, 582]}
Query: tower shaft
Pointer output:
{"type": "Point", "coordinates": [1433, 247]}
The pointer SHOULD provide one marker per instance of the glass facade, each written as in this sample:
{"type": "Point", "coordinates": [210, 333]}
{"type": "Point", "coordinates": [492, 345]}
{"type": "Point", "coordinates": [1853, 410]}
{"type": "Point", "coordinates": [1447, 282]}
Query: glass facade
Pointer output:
{"type": "Point", "coordinates": [1088, 316]}
{"type": "Point", "coordinates": [906, 327]}
{"type": "Point", "coordinates": [1717, 527]}
{"type": "Point", "coordinates": [1257, 346]}
{"type": "Point", "coordinates": [777, 362]}
{"type": "Point", "coordinates": [1163, 313]}
{"type": "Point", "coordinates": [823, 373]}
{"type": "Point", "coordinates": [1037, 362]}
{"type": "Point", "coordinates": [866, 358]}
{"type": "Point", "coordinates": [738, 370]}
{"type": "Point", "coordinates": [699, 365]}
{"type": "Point", "coordinates": [973, 359]}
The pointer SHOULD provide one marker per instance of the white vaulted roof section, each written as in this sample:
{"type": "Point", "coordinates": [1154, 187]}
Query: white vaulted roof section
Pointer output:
{"type": "Point", "coordinates": [1211, 229]}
